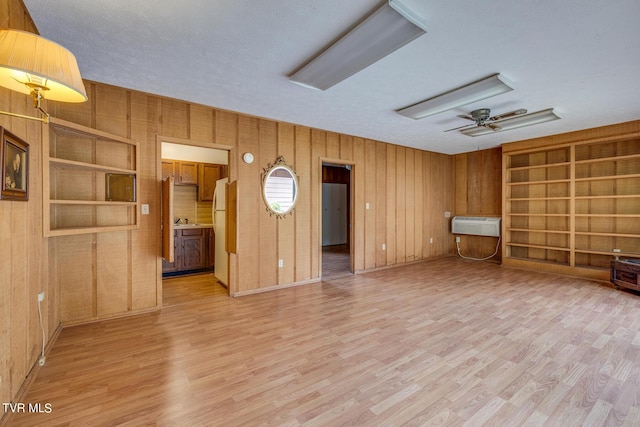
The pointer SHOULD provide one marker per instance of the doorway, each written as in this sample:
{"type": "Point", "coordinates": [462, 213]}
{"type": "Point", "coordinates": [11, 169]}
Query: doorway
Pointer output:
{"type": "Point", "coordinates": [190, 208]}
{"type": "Point", "coordinates": [336, 220]}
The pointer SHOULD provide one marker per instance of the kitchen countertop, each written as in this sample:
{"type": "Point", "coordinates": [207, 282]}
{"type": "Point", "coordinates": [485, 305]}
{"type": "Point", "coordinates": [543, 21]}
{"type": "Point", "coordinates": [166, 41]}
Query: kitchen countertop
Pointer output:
{"type": "Point", "coordinates": [195, 225]}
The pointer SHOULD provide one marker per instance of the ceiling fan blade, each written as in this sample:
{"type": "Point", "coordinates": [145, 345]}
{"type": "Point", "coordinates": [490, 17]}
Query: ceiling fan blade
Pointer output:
{"type": "Point", "coordinates": [492, 126]}
{"type": "Point", "coordinates": [464, 116]}
{"type": "Point", "coordinates": [509, 114]}
{"type": "Point", "coordinates": [460, 127]}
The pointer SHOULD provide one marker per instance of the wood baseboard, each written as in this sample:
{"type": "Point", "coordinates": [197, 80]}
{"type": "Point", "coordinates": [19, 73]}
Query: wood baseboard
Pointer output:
{"type": "Point", "coordinates": [5, 419]}
{"type": "Point", "coordinates": [274, 288]}
{"type": "Point", "coordinates": [110, 316]}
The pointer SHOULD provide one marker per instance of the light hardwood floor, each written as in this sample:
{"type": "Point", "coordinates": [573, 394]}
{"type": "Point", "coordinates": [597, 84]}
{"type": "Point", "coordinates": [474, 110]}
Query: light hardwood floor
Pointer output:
{"type": "Point", "coordinates": [445, 342]}
{"type": "Point", "coordinates": [336, 261]}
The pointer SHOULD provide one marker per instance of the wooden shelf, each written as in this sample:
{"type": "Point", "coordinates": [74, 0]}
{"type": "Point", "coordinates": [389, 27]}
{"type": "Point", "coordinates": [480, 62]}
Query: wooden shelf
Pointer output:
{"type": "Point", "coordinates": [533, 230]}
{"type": "Point", "coordinates": [540, 214]}
{"type": "Point", "coordinates": [610, 253]}
{"type": "Point", "coordinates": [73, 129]}
{"type": "Point", "coordinates": [70, 231]}
{"type": "Point", "coordinates": [550, 165]}
{"type": "Point", "coordinates": [607, 215]}
{"type": "Point", "coordinates": [612, 234]}
{"type": "Point", "coordinates": [608, 159]}
{"type": "Point", "coordinates": [584, 194]}
{"type": "Point", "coordinates": [525, 199]}
{"type": "Point", "coordinates": [615, 196]}
{"type": "Point", "coordinates": [77, 161]}
{"type": "Point", "coordinates": [72, 164]}
{"type": "Point", "coordinates": [547, 181]}
{"type": "Point", "coordinates": [529, 245]}
{"type": "Point", "coordinates": [91, 203]}
{"type": "Point", "coordinates": [606, 177]}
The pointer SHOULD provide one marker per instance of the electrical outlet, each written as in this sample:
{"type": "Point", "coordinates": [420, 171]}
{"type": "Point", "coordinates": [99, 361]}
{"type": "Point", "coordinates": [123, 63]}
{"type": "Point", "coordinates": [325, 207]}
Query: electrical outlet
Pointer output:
{"type": "Point", "coordinates": [617, 251]}
{"type": "Point", "coordinates": [447, 214]}
{"type": "Point", "coordinates": [367, 205]}
{"type": "Point", "coordinates": [384, 246]}
{"type": "Point", "coordinates": [431, 240]}
{"type": "Point", "coordinates": [280, 263]}
{"type": "Point", "coordinates": [41, 296]}
{"type": "Point", "coordinates": [457, 239]}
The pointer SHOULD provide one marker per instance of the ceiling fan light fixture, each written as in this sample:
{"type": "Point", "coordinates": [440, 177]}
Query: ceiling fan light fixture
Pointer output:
{"type": "Point", "coordinates": [387, 29]}
{"type": "Point", "coordinates": [476, 91]}
{"type": "Point", "coordinates": [514, 123]}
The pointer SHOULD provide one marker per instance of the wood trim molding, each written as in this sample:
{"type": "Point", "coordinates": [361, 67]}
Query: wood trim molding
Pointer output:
{"type": "Point", "coordinates": [273, 288]}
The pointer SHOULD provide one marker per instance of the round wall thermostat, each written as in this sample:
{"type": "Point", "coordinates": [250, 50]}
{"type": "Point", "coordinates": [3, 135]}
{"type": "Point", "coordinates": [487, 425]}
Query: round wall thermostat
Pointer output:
{"type": "Point", "coordinates": [247, 157]}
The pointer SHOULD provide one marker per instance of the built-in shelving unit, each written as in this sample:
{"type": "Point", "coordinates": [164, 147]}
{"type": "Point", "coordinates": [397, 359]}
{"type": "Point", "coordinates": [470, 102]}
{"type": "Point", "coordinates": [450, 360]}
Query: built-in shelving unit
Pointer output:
{"type": "Point", "coordinates": [76, 162]}
{"type": "Point", "coordinates": [576, 206]}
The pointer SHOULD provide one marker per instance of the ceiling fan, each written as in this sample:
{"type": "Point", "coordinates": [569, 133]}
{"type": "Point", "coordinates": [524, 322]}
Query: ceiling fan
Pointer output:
{"type": "Point", "coordinates": [483, 117]}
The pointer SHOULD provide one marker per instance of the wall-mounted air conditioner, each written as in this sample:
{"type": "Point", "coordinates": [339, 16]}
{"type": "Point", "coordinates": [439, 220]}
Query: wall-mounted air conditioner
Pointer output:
{"type": "Point", "coordinates": [476, 225]}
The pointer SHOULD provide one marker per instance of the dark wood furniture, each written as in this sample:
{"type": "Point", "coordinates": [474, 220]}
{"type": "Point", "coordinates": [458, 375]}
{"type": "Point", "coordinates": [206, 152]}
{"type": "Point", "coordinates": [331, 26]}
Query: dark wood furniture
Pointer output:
{"type": "Point", "coordinates": [626, 273]}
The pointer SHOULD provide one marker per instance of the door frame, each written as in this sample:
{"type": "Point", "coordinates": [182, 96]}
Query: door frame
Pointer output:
{"type": "Point", "coordinates": [351, 218]}
{"type": "Point", "coordinates": [232, 171]}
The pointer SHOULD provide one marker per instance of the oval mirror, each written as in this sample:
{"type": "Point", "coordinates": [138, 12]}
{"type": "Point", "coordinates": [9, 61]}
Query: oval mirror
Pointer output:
{"type": "Point", "coordinates": [280, 188]}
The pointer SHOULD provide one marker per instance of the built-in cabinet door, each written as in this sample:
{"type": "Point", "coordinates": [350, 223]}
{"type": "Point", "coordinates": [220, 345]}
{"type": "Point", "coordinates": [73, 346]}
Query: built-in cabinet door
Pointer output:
{"type": "Point", "coordinates": [167, 169]}
{"type": "Point", "coordinates": [193, 249]}
{"type": "Point", "coordinates": [171, 266]}
{"type": "Point", "coordinates": [208, 174]}
{"type": "Point", "coordinates": [212, 249]}
{"type": "Point", "coordinates": [186, 172]}
{"type": "Point", "coordinates": [168, 236]}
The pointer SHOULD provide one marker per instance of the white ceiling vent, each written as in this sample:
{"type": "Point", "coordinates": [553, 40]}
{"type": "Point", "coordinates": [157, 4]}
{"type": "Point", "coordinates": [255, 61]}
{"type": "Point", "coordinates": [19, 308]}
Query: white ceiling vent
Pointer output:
{"type": "Point", "coordinates": [476, 225]}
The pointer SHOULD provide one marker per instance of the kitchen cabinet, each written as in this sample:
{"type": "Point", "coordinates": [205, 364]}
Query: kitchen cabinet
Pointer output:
{"type": "Point", "coordinates": [194, 255]}
{"type": "Point", "coordinates": [208, 174]}
{"type": "Point", "coordinates": [204, 175]}
{"type": "Point", "coordinates": [193, 250]}
{"type": "Point", "coordinates": [167, 169]}
{"type": "Point", "coordinates": [186, 173]}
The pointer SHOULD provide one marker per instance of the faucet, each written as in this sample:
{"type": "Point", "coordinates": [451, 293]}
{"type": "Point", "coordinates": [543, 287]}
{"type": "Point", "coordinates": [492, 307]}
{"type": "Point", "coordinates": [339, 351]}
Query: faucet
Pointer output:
{"type": "Point", "coordinates": [177, 221]}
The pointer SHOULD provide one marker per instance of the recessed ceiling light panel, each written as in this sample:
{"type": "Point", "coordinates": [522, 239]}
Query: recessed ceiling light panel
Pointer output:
{"type": "Point", "coordinates": [387, 29]}
{"type": "Point", "coordinates": [476, 91]}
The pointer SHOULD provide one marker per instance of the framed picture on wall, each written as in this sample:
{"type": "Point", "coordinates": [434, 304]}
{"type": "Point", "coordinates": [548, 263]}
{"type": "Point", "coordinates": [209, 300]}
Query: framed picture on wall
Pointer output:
{"type": "Point", "coordinates": [14, 158]}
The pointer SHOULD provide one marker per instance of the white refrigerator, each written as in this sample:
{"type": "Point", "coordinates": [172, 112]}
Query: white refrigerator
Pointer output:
{"type": "Point", "coordinates": [221, 264]}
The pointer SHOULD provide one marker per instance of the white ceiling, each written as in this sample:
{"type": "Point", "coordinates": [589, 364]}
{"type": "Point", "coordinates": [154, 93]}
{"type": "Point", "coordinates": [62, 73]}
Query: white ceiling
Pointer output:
{"type": "Point", "coordinates": [581, 57]}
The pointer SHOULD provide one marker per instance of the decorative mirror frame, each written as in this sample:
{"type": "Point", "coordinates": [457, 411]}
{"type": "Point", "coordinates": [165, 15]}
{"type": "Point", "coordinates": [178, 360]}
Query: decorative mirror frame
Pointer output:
{"type": "Point", "coordinates": [280, 163]}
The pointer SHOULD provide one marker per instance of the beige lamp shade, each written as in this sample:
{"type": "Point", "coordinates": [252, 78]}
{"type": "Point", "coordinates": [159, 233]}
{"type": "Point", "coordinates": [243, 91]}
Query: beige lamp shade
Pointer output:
{"type": "Point", "coordinates": [28, 62]}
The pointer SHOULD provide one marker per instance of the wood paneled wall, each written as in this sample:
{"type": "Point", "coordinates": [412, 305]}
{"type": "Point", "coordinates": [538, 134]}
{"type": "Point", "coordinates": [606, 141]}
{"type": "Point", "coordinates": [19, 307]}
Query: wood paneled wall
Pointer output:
{"type": "Point", "coordinates": [478, 184]}
{"type": "Point", "coordinates": [407, 192]}
{"type": "Point", "coordinates": [23, 250]}
{"type": "Point", "coordinates": [104, 275]}
{"type": "Point", "coordinates": [407, 196]}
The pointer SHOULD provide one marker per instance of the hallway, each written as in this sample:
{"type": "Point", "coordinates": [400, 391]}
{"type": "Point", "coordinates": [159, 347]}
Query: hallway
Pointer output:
{"type": "Point", "coordinates": [336, 261]}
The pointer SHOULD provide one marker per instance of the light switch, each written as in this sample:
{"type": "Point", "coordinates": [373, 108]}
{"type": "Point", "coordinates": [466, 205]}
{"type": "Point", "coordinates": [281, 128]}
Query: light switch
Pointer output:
{"type": "Point", "coordinates": [145, 209]}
